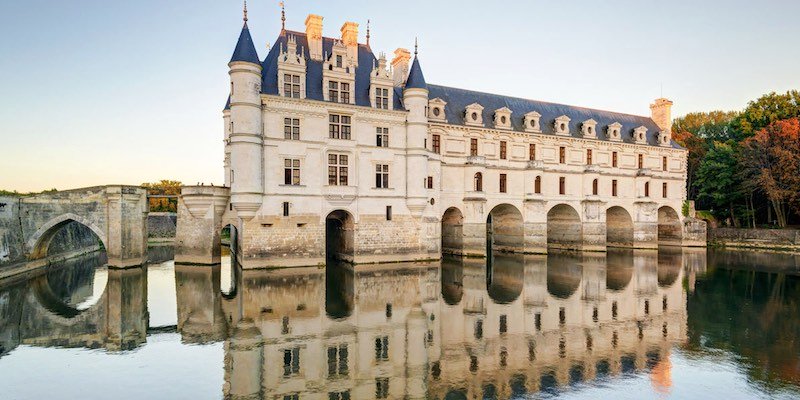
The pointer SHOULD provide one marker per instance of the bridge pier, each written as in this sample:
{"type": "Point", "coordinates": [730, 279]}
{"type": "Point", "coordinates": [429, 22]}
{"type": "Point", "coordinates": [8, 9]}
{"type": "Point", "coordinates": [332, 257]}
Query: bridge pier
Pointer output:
{"type": "Point", "coordinates": [200, 211]}
{"type": "Point", "coordinates": [127, 226]}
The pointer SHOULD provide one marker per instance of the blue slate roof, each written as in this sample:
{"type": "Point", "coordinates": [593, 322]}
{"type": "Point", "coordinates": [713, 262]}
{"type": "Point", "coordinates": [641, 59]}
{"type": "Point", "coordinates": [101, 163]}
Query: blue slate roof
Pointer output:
{"type": "Point", "coordinates": [416, 80]}
{"type": "Point", "coordinates": [366, 58]}
{"type": "Point", "coordinates": [458, 99]}
{"type": "Point", "coordinates": [227, 104]}
{"type": "Point", "coordinates": [245, 50]}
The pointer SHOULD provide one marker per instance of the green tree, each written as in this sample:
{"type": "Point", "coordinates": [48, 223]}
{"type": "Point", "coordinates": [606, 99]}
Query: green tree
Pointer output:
{"type": "Point", "coordinates": [719, 181]}
{"type": "Point", "coordinates": [696, 132]}
{"type": "Point", "coordinates": [765, 110]}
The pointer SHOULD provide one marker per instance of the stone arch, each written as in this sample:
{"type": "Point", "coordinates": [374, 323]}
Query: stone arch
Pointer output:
{"type": "Point", "coordinates": [505, 229]}
{"type": "Point", "coordinates": [670, 264]}
{"type": "Point", "coordinates": [564, 275]}
{"type": "Point", "coordinates": [564, 228]}
{"type": "Point", "coordinates": [669, 226]}
{"type": "Point", "coordinates": [452, 231]}
{"type": "Point", "coordinates": [340, 235]}
{"type": "Point", "coordinates": [619, 227]}
{"type": "Point", "coordinates": [39, 242]}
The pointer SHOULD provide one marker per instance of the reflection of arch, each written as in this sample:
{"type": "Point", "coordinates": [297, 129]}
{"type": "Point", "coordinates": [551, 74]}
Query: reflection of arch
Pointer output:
{"type": "Point", "coordinates": [619, 268]}
{"type": "Point", "coordinates": [564, 275]}
{"type": "Point", "coordinates": [460, 394]}
{"type": "Point", "coordinates": [339, 289]}
{"type": "Point", "coordinates": [55, 288]}
{"type": "Point", "coordinates": [504, 229]}
{"type": "Point", "coordinates": [669, 226]}
{"type": "Point", "coordinates": [339, 235]}
{"type": "Point", "coordinates": [452, 280]}
{"type": "Point", "coordinates": [452, 231]}
{"type": "Point", "coordinates": [505, 277]}
{"type": "Point", "coordinates": [670, 263]}
{"type": "Point", "coordinates": [564, 227]}
{"type": "Point", "coordinates": [229, 265]}
{"type": "Point", "coordinates": [619, 227]}
{"type": "Point", "coordinates": [40, 240]}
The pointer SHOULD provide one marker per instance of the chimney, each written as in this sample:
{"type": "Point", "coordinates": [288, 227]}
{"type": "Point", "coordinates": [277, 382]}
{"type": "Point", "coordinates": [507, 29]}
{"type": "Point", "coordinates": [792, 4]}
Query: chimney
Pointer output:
{"type": "Point", "coordinates": [314, 36]}
{"type": "Point", "coordinates": [350, 39]}
{"type": "Point", "coordinates": [661, 113]}
{"type": "Point", "coordinates": [400, 66]}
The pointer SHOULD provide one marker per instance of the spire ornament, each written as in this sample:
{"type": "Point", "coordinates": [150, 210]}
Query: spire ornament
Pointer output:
{"type": "Point", "coordinates": [283, 16]}
{"type": "Point", "coordinates": [367, 32]}
{"type": "Point", "coordinates": [244, 12]}
{"type": "Point", "coordinates": [416, 46]}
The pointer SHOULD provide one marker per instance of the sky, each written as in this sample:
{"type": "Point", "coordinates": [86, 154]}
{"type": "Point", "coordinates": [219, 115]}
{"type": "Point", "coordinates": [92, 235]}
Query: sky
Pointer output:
{"type": "Point", "coordinates": [110, 92]}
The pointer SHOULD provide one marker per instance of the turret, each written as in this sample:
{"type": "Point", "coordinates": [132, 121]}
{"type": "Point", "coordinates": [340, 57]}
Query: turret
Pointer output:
{"type": "Point", "coordinates": [226, 128]}
{"type": "Point", "coordinates": [661, 114]}
{"type": "Point", "coordinates": [246, 166]}
{"type": "Point", "coordinates": [415, 99]}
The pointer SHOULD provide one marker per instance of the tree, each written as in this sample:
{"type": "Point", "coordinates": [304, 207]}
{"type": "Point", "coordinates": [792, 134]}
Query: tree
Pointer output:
{"type": "Point", "coordinates": [719, 182]}
{"type": "Point", "coordinates": [696, 132]}
{"type": "Point", "coordinates": [164, 187]}
{"type": "Point", "coordinates": [772, 158]}
{"type": "Point", "coordinates": [765, 110]}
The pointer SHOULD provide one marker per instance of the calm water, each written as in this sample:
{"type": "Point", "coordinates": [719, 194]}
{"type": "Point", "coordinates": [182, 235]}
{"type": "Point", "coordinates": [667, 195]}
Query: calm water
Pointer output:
{"type": "Point", "coordinates": [627, 325]}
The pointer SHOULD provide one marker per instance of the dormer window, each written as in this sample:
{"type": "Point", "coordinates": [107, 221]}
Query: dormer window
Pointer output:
{"type": "Point", "coordinates": [338, 78]}
{"type": "Point", "coordinates": [502, 118]}
{"type": "Point", "coordinates": [291, 71]}
{"type": "Point", "coordinates": [588, 128]}
{"type": "Point", "coordinates": [663, 138]}
{"type": "Point", "coordinates": [436, 110]}
{"type": "Point", "coordinates": [474, 114]}
{"type": "Point", "coordinates": [561, 125]}
{"type": "Point", "coordinates": [382, 98]}
{"type": "Point", "coordinates": [640, 135]}
{"type": "Point", "coordinates": [613, 131]}
{"type": "Point", "coordinates": [339, 61]}
{"type": "Point", "coordinates": [381, 83]}
{"type": "Point", "coordinates": [532, 122]}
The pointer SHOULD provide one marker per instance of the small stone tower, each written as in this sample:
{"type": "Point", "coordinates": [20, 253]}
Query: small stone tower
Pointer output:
{"type": "Point", "coordinates": [661, 114]}
{"type": "Point", "coordinates": [415, 99]}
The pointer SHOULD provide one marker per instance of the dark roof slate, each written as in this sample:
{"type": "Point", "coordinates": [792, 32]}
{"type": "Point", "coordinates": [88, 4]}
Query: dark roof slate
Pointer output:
{"type": "Point", "coordinates": [227, 104]}
{"type": "Point", "coordinates": [245, 49]}
{"type": "Point", "coordinates": [416, 80]}
{"type": "Point", "coordinates": [458, 99]}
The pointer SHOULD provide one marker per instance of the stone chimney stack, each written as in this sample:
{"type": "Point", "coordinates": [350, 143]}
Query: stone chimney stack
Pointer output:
{"type": "Point", "coordinates": [400, 66]}
{"type": "Point", "coordinates": [350, 39]}
{"type": "Point", "coordinates": [661, 113]}
{"type": "Point", "coordinates": [314, 35]}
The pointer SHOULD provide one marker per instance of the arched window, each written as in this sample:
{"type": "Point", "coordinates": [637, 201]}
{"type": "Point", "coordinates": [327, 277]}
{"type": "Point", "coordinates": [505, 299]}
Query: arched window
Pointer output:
{"type": "Point", "coordinates": [647, 189]}
{"type": "Point", "coordinates": [478, 182]}
{"type": "Point", "coordinates": [594, 187]}
{"type": "Point", "coordinates": [537, 185]}
{"type": "Point", "coordinates": [562, 185]}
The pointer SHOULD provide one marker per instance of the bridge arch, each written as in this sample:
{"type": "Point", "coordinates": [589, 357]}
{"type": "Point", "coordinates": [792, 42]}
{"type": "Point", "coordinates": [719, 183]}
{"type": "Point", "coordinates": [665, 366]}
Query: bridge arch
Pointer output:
{"type": "Point", "coordinates": [564, 228]}
{"type": "Point", "coordinates": [619, 227]}
{"type": "Point", "coordinates": [669, 226]}
{"type": "Point", "coordinates": [38, 244]}
{"type": "Point", "coordinates": [504, 229]}
{"type": "Point", "coordinates": [340, 235]}
{"type": "Point", "coordinates": [452, 231]}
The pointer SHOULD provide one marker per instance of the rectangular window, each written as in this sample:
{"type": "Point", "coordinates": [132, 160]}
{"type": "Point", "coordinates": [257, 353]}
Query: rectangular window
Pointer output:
{"type": "Point", "coordinates": [647, 189]}
{"type": "Point", "coordinates": [537, 321]}
{"type": "Point", "coordinates": [614, 187]}
{"type": "Point", "coordinates": [537, 185]}
{"type": "Point", "coordinates": [345, 93]}
{"type": "Point", "coordinates": [388, 213]}
{"type": "Point", "coordinates": [382, 98]}
{"type": "Point", "coordinates": [291, 85]}
{"type": "Point", "coordinates": [333, 91]}
{"type": "Point", "coordinates": [478, 329]}
{"type": "Point", "coordinates": [337, 169]}
{"type": "Point", "coordinates": [339, 61]}
{"type": "Point", "coordinates": [291, 361]}
{"type": "Point", "coordinates": [382, 388]}
{"type": "Point", "coordinates": [473, 147]}
{"type": "Point", "coordinates": [436, 144]}
{"type": "Point", "coordinates": [339, 126]}
{"type": "Point", "coordinates": [503, 187]}
{"type": "Point", "coordinates": [562, 185]}
{"type": "Point", "coordinates": [381, 176]}
{"type": "Point", "coordinates": [381, 348]}
{"type": "Point", "coordinates": [503, 323]}
{"type": "Point", "coordinates": [429, 182]}
{"type": "Point", "coordinates": [664, 190]}
{"type": "Point", "coordinates": [664, 163]}
{"type": "Point", "coordinates": [291, 172]}
{"type": "Point", "coordinates": [339, 92]}
{"type": "Point", "coordinates": [589, 157]}
{"type": "Point", "coordinates": [594, 187]}
{"type": "Point", "coordinates": [337, 360]}
{"type": "Point", "coordinates": [339, 395]}
{"type": "Point", "coordinates": [562, 155]}
{"type": "Point", "coordinates": [285, 208]}
{"type": "Point", "coordinates": [614, 159]}
{"type": "Point", "coordinates": [382, 137]}
{"type": "Point", "coordinates": [641, 161]}
{"type": "Point", "coordinates": [291, 128]}
{"type": "Point", "coordinates": [503, 150]}
{"type": "Point", "coordinates": [532, 152]}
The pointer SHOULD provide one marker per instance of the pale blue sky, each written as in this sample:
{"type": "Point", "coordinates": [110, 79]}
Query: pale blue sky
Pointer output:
{"type": "Point", "coordinates": [98, 92]}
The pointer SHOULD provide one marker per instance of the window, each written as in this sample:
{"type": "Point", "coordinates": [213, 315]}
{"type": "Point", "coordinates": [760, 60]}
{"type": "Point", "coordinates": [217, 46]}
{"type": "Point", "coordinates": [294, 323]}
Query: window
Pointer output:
{"type": "Point", "coordinates": [562, 185]}
{"type": "Point", "coordinates": [436, 144]}
{"type": "Point", "coordinates": [339, 126]}
{"type": "Point", "coordinates": [664, 163]}
{"type": "Point", "coordinates": [382, 176]}
{"type": "Point", "coordinates": [337, 360]}
{"type": "Point", "coordinates": [293, 396]}
{"type": "Point", "coordinates": [285, 325]}
{"type": "Point", "coordinates": [589, 157]}
{"type": "Point", "coordinates": [291, 172]}
{"type": "Point", "coordinates": [429, 182]}
{"type": "Point", "coordinates": [478, 182]}
{"type": "Point", "coordinates": [664, 190]}
{"type": "Point", "coordinates": [473, 147]}
{"type": "Point", "coordinates": [503, 150]}
{"type": "Point", "coordinates": [478, 329]}
{"type": "Point", "coordinates": [614, 188]}
{"type": "Point", "coordinates": [382, 98]}
{"type": "Point", "coordinates": [339, 92]}
{"type": "Point", "coordinates": [614, 159]}
{"type": "Point", "coordinates": [291, 128]}
{"type": "Point", "coordinates": [285, 208]}
{"type": "Point", "coordinates": [382, 137]}
{"type": "Point", "coordinates": [436, 111]}
{"type": "Point", "coordinates": [503, 187]}
{"type": "Point", "coordinates": [339, 395]}
{"type": "Point", "coordinates": [562, 316]}
{"type": "Point", "coordinates": [594, 187]}
{"type": "Point", "coordinates": [337, 169]}
{"type": "Point", "coordinates": [614, 310]}
{"type": "Point", "coordinates": [388, 213]}
{"type": "Point", "coordinates": [646, 307]}
{"type": "Point", "coordinates": [537, 185]}
{"type": "Point", "coordinates": [503, 323]}
{"type": "Point", "coordinates": [291, 85]}
{"type": "Point", "coordinates": [562, 155]}
{"type": "Point", "coordinates": [381, 348]}
{"type": "Point", "coordinates": [339, 61]}
{"type": "Point", "coordinates": [641, 161]}
{"type": "Point", "coordinates": [382, 388]}
{"type": "Point", "coordinates": [291, 361]}
{"type": "Point", "coordinates": [537, 321]}
{"type": "Point", "coordinates": [532, 152]}
{"type": "Point", "coordinates": [388, 310]}
{"type": "Point", "coordinates": [647, 189]}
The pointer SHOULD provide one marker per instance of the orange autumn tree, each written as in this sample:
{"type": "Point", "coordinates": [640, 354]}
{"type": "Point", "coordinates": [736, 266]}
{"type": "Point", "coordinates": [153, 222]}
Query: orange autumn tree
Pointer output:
{"type": "Point", "coordinates": [164, 187]}
{"type": "Point", "coordinates": [771, 158]}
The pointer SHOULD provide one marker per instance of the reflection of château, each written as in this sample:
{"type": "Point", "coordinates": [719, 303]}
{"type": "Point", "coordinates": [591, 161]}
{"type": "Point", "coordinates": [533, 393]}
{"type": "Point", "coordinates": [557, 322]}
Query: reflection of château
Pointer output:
{"type": "Point", "coordinates": [527, 323]}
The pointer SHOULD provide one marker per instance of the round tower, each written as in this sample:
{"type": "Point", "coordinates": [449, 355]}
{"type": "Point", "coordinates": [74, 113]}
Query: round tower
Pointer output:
{"type": "Point", "coordinates": [415, 99]}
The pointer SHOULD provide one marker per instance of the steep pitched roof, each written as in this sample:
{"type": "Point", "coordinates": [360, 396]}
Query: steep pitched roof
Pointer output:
{"type": "Point", "coordinates": [227, 104]}
{"type": "Point", "coordinates": [416, 80]}
{"type": "Point", "coordinates": [458, 99]}
{"type": "Point", "coordinates": [245, 49]}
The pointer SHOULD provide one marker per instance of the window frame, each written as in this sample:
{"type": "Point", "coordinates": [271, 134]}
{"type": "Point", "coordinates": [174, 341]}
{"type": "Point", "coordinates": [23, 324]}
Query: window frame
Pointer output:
{"type": "Point", "coordinates": [338, 173]}
{"type": "Point", "coordinates": [340, 126]}
{"type": "Point", "coordinates": [291, 128]}
{"type": "Point", "coordinates": [291, 171]}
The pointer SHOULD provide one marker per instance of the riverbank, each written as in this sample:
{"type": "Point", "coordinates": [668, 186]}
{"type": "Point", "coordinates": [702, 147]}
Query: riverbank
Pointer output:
{"type": "Point", "coordinates": [784, 240]}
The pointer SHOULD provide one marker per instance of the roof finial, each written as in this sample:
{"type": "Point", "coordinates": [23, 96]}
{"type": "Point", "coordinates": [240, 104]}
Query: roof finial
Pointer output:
{"type": "Point", "coordinates": [416, 45]}
{"type": "Point", "coordinates": [283, 17]}
{"type": "Point", "coordinates": [244, 12]}
{"type": "Point", "coordinates": [367, 32]}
